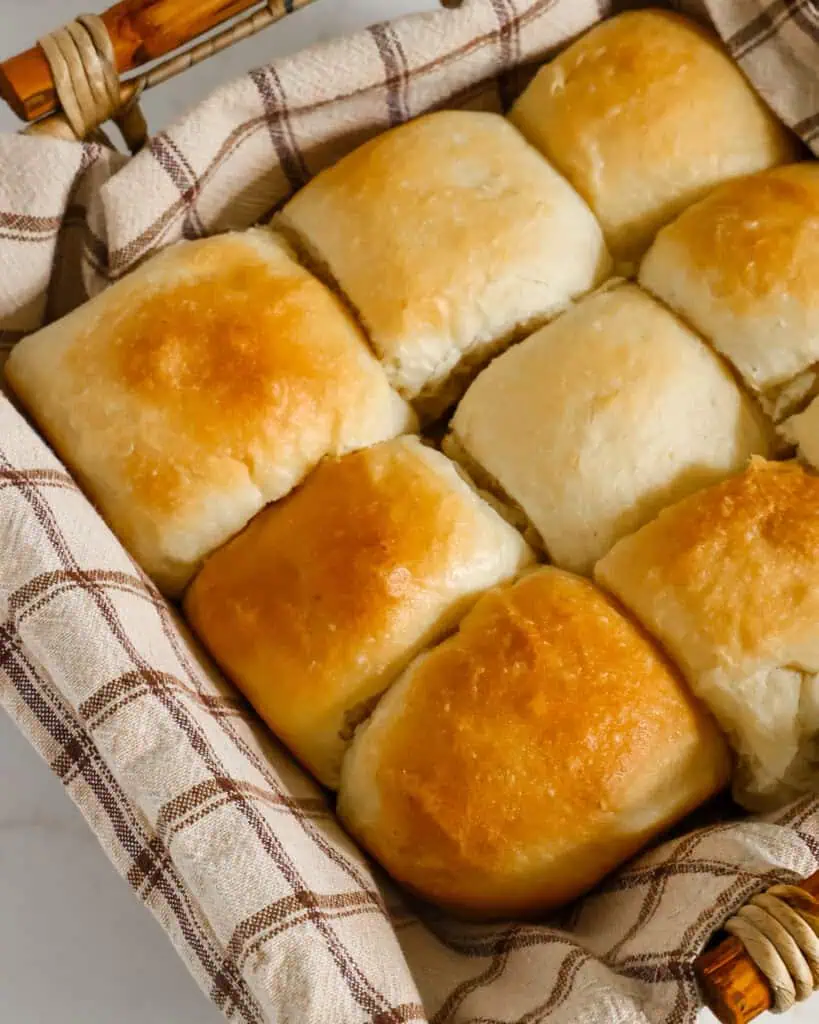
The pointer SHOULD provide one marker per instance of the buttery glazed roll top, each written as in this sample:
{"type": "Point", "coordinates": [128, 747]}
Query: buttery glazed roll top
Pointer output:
{"type": "Point", "coordinates": [728, 582]}
{"type": "Point", "coordinates": [645, 114]}
{"type": "Point", "coordinates": [325, 597]}
{"type": "Point", "coordinates": [601, 418]}
{"type": "Point", "coordinates": [521, 760]}
{"type": "Point", "coordinates": [203, 385]}
{"type": "Point", "coordinates": [449, 235]}
{"type": "Point", "coordinates": [741, 266]}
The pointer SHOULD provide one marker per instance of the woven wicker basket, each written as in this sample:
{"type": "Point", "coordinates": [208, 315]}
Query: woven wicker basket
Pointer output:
{"type": "Point", "coordinates": [91, 72]}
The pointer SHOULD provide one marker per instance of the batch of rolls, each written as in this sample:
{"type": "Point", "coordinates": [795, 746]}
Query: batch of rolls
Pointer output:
{"type": "Point", "coordinates": [521, 654]}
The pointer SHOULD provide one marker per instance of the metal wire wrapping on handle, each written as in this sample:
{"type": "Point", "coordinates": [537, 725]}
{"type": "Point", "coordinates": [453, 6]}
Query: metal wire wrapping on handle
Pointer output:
{"type": "Point", "coordinates": [780, 932]}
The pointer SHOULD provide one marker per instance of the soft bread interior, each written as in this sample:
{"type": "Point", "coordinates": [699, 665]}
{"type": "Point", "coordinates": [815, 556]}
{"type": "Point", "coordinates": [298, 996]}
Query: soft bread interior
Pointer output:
{"type": "Point", "coordinates": [491, 490]}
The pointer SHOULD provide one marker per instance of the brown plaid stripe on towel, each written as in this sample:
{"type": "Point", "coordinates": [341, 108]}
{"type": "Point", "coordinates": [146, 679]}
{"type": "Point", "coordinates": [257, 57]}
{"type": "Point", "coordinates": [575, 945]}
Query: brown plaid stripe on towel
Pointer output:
{"type": "Point", "coordinates": [233, 849]}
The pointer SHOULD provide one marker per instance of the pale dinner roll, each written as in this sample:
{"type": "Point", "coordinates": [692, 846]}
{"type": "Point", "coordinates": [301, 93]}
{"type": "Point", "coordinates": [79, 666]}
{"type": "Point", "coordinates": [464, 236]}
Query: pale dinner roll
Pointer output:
{"type": "Point", "coordinates": [206, 383]}
{"type": "Point", "coordinates": [644, 114]}
{"type": "Point", "coordinates": [728, 582]}
{"type": "Point", "coordinates": [451, 236]}
{"type": "Point", "coordinates": [741, 267]}
{"type": "Point", "coordinates": [318, 604]}
{"type": "Point", "coordinates": [525, 757]}
{"type": "Point", "coordinates": [600, 419]}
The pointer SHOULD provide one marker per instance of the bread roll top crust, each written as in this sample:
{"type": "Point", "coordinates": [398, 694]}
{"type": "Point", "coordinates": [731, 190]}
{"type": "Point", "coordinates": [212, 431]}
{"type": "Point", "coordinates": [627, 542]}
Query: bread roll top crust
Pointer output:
{"type": "Point", "coordinates": [450, 235]}
{"type": "Point", "coordinates": [728, 582]}
{"type": "Point", "coordinates": [600, 419]}
{"type": "Point", "coordinates": [207, 382]}
{"type": "Point", "coordinates": [737, 564]}
{"type": "Point", "coordinates": [521, 759]}
{"type": "Point", "coordinates": [741, 267]}
{"type": "Point", "coordinates": [644, 114]}
{"type": "Point", "coordinates": [317, 605]}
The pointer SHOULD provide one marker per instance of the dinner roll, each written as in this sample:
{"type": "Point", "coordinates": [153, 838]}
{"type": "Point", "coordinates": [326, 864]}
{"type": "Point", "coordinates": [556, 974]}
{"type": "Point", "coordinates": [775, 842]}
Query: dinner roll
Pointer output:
{"type": "Point", "coordinates": [326, 596]}
{"type": "Point", "coordinates": [203, 385]}
{"type": "Point", "coordinates": [741, 266]}
{"type": "Point", "coordinates": [451, 236]}
{"type": "Point", "coordinates": [600, 419]}
{"type": "Point", "coordinates": [728, 582]}
{"type": "Point", "coordinates": [644, 114]}
{"type": "Point", "coordinates": [525, 757]}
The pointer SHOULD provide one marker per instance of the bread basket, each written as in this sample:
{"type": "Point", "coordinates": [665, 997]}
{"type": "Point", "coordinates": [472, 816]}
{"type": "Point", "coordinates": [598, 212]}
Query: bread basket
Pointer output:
{"type": "Point", "coordinates": [235, 851]}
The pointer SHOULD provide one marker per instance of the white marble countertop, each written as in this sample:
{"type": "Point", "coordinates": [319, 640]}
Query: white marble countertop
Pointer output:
{"type": "Point", "coordinates": [85, 951]}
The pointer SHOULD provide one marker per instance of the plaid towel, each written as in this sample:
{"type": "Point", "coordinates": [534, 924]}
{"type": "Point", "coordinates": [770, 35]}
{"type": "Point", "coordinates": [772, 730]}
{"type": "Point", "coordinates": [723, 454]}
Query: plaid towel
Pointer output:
{"type": "Point", "coordinates": [234, 850]}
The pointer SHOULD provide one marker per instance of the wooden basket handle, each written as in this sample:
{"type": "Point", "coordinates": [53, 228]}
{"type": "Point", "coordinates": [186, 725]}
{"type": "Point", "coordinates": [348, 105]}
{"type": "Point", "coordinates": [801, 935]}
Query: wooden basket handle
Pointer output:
{"type": "Point", "coordinates": [141, 31]}
{"type": "Point", "coordinates": [733, 987]}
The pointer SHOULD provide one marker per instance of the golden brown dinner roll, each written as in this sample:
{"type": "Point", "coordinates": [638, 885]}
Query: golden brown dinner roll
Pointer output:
{"type": "Point", "coordinates": [326, 596]}
{"type": "Point", "coordinates": [644, 114]}
{"type": "Point", "coordinates": [203, 385]}
{"type": "Point", "coordinates": [521, 760]}
{"type": "Point", "coordinates": [451, 236]}
{"type": "Point", "coordinates": [728, 582]}
{"type": "Point", "coordinates": [741, 266]}
{"type": "Point", "coordinates": [600, 419]}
